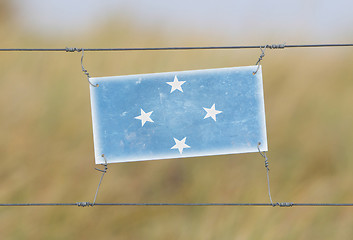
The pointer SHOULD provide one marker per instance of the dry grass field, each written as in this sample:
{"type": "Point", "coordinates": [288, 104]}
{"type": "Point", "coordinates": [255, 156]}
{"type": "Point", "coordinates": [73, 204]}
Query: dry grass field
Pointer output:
{"type": "Point", "coordinates": [46, 145]}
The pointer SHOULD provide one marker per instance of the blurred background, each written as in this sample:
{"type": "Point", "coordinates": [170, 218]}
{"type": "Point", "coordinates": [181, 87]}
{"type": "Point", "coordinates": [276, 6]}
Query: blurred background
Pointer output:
{"type": "Point", "coordinates": [46, 141]}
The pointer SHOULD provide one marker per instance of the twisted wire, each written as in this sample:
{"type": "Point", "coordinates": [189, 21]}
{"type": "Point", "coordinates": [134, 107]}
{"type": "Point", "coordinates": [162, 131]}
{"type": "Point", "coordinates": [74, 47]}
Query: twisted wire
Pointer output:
{"type": "Point", "coordinates": [263, 154]}
{"type": "Point", "coordinates": [82, 67]}
{"type": "Point", "coordinates": [103, 173]}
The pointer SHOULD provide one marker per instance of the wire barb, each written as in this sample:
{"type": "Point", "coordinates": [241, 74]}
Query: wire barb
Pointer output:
{"type": "Point", "coordinates": [83, 69]}
{"type": "Point", "coordinates": [263, 154]}
{"type": "Point", "coordinates": [103, 172]}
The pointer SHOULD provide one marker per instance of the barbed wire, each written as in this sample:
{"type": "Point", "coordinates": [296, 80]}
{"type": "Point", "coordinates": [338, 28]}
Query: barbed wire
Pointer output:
{"type": "Point", "coordinates": [270, 46]}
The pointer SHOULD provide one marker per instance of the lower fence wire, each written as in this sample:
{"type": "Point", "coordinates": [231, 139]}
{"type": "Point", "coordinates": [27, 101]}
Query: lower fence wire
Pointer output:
{"type": "Point", "coordinates": [87, 204]}
{"type": "Point", "coordinates": [271, 204]}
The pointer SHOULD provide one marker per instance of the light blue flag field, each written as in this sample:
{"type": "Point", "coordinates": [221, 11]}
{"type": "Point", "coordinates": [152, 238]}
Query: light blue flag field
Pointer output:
{"type": "Point", "coordinates": [178, 114]}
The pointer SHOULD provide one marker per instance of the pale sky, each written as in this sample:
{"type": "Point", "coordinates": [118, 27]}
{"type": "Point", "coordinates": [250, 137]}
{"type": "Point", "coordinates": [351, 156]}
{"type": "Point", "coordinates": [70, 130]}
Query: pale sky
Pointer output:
{"type": "Point", "coordinates": [315, 20]}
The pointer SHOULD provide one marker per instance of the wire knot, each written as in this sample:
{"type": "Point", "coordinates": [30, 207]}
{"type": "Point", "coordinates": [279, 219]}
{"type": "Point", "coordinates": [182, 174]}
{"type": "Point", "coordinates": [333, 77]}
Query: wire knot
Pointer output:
{"type": "Point", "coordinates": [267, 164]}
{"type": "Point", "coordinates": [258, 63]}
{"type": "Point", "coordinates": [84, 70]}
{"type": "Point", "coordinates": [84, 204]}
{"type": "Point", "coordinates": [105, 164]}
{"type": "Point", "coordinates": [263, 49]}
{"type": "Point", "coordinates": [283, 204]}
{"type": "Point", "coordinates": [276, 46]}
{"type": "Point", "coordinates": [103, 172]}
{"type": "Point", "coordinates": [263, 154]}
{"type": "Point", "coordinates": [68, 49]}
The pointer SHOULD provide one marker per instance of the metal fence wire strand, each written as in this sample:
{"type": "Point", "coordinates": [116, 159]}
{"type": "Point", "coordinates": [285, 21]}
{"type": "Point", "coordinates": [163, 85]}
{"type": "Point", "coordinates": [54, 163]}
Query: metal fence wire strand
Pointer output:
{"type": "Point", "coordinates": [268, 46]}
{"type": "Point", "coordinates": [86, 204]}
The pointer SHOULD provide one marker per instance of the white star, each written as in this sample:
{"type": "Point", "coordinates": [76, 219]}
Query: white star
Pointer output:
{"type": "Point", "coordinates": [144, 117]}
{"type": "Point", "coordinates": [211, 112]}
{"type": "Point", "coordinates": [180, 145]}
{"type": "Point", "coordinates": [176, 85]}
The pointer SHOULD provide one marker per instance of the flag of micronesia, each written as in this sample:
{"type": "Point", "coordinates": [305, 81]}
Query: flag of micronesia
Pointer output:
{"type": "Point", "coordinates": [178, 114]}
